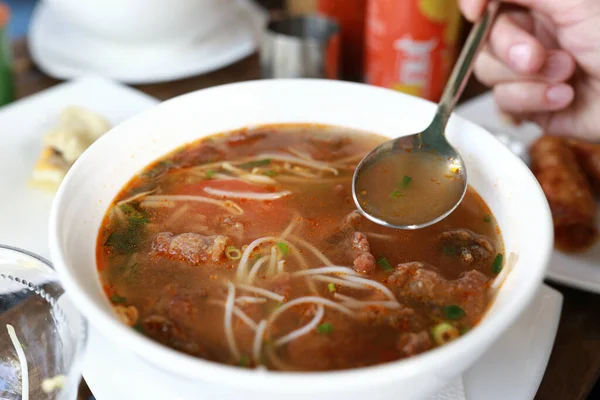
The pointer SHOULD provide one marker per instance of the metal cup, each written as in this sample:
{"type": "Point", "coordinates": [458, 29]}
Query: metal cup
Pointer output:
{"type": "Point", "coordinates": [301, 47]}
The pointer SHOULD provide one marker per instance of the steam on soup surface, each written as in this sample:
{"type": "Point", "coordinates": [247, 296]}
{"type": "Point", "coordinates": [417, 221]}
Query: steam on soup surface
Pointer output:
{"type": "Point", "coordinates": [246, 248]}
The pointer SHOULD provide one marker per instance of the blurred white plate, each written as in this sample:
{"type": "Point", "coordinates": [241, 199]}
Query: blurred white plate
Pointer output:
{"type": "Point", "coordinates": [64, 51]}
{"type": "Point", "coordinates": [24, 210]}
{"type": "Point", "coordinates": [581, 271]}
{"type": "Point", "coordinates": [519, 357]}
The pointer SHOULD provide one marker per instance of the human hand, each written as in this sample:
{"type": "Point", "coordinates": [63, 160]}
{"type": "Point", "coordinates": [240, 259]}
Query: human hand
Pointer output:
{"type": "Point", "coordinates": [543, 62]}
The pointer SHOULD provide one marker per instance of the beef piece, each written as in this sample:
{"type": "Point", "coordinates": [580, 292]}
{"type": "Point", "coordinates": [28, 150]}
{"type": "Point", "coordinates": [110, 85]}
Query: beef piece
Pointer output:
{"type": "Point", "coordinates": [329, 148]}
{"type": "Point", "coordinates": [415, 281]}
{"type": "Point", "coordinates": [197, 155]}
{"type": "Point", "coordinates": [411, 344]}
{"type": "Point", "coordinates": [245, 138]}
{"type": "Point", "coordinates": [399, 318]}
{"type": "Point", "coordinates": [364, 262]}
{"type": "Point", "coordinates": [231, 226]}
{"type": "Point", "coordinates": [468, 245]}
{"type": "Point", "coordinates": [168, 333]}
{"type": "Point", "coordinates": [127, 314]}
{"type": "Point", "coordinates": [191, 248]}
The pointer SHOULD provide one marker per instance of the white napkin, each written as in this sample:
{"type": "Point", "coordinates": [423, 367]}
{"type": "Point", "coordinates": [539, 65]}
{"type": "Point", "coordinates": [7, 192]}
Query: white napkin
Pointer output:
{"type": "Point", "coordinates": [454, 391]}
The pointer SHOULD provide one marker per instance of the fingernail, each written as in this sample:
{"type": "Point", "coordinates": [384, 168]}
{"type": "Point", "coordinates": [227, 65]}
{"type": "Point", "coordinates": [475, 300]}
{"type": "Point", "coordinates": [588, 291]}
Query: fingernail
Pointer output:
{"type": "Point", "coordinates": [555, 66]}
{"type": "Point", "coordinates": [520, 56]}
{"type": "Point", "coordinates": [559, 94]}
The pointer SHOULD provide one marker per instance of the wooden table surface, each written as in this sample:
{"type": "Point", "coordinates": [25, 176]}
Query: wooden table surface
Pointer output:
{"type": "Point", "coordinates": [574, 366]}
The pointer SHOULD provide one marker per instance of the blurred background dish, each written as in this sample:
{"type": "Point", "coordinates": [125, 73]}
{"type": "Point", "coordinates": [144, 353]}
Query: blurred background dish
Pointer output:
{"type": "Point", "coordinates": [138, 22]}
{"type": "Point", "coordinates": [64, 50]}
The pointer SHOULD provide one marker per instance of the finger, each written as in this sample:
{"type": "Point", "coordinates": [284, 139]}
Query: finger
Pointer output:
{"type": "Point", "coordinates": [472, 9]}
{"type": "Point", "coordinates": [512, 44]}
{"type": "Point", "coordinates": [558, 67]}
{"type": "Point", "coordinates": [532, 97]}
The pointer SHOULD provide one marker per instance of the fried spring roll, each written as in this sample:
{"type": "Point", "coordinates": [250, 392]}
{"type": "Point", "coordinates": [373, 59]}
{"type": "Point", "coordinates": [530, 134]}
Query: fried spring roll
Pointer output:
{"type": "Point", "coordinates": [568, 193]}
{"type": "Point", "coordinates": [588, 157]}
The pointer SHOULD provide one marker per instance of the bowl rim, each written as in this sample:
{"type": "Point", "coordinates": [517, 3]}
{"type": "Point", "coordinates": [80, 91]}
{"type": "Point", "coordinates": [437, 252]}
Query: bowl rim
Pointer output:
{"type": "Point", "coordinates": [486, 332]}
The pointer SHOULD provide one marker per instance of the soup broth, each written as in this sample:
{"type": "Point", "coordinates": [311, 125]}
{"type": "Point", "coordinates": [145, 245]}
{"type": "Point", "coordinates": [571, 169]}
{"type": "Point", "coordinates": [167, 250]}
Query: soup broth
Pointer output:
{"type": "Point", "coordinates": [246, 248]}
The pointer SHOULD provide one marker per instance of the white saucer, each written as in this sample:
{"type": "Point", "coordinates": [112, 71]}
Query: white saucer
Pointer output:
{"type": "Point", "coordinates": [65, 51]}
{"type": "Point", "coordinates": [581, 271]}
{"type": "Point", "coordinates": [519, 357]}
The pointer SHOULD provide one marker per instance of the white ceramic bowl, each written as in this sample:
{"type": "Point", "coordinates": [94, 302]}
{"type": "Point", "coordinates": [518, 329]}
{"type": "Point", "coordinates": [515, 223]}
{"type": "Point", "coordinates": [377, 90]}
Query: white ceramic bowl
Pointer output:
{"type": "Point", "coordinates": [503, 181]}
{"type": "Point", "coordinates": [151, 22]}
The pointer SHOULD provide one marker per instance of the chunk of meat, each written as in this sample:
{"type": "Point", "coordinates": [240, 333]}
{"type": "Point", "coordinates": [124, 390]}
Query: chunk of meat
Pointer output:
{"type": "Point", "coordinates": [415, 281]}
{"type": "Point", "coordinates": [329, 148]}
{"type": "Point", "coordinates": [167, 332]}
{"type": "Point", "coordinates": [364, 262]}
{"type": "Point", "coordinates": [127, 314]}
{"type": "Point", "coordinates": [191, 248]}
{"type": "Point", "coordinates": [468, 245]}
{"type": "Point", "coordinates": [198, 155]}
{"type": "Point", "coordinates": [398, 318]}
{"type": "Point", "coordinates": [231, 226]}
{"type": "Point", "coordinates": [411, 343]}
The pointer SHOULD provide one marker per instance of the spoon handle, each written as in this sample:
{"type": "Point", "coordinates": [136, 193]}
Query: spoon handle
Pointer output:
{"type": "Point", "coordinates": [464, 65]}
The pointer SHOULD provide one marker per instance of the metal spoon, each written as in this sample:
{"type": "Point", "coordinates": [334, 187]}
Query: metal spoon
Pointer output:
{"type": "Point", "coordinates": [417, 180]}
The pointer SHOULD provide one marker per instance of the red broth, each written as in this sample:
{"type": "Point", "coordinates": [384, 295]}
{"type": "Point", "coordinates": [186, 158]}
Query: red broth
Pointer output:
{"type": "Point", "coordinates": [245, 248]}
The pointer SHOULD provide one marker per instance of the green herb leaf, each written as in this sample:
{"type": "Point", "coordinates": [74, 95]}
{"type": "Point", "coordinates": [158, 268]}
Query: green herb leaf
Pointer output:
{"type": "Point", "coordinates": [384, 264]}
{"type": "Point", "coordinates": [257, 163]}
{"type": "Point", "coordinates": [125, 240]}
{"type": "Point", "coordinates": [449, 250]}
{"type": "Point", "coordinates": [406, 180]}
{"type": "Point", "coordinates": [139, 328]}
{"type": "Point", "coordinates": [331, 287]}
{"type": "Point", "coordinates": [325, 328]}
{"type": "Point", "coordinates": [454, 312]}
{"type": "Point", "coordinates": [209, 174]}
{"type": "Point", "coordinates": [396, 194]}
{"type": "Point", "coordinates": [497, 264]}
{"type": "Point", "coordinates": [244, 361]}
{"type": "Point", "coordinates": [270, 173]}
{"type": "Point", "coordinates": [116, 299]}
{"type": "Point", "coordinates": [487, 218]}
{"type": "Point", "coordinates": [283, 248]}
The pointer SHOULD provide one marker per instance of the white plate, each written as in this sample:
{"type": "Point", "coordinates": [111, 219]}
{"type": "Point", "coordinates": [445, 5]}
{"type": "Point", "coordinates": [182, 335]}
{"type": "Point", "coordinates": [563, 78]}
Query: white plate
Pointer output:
{"type": "Point", "coordinates": [24, 210]}
{"type": "Point", "coordinates": [113, 372]}
{"type": "Point", "coordinates": [581, 271]}
{"type": "Point", "coordinates": [519, 357]}
{"type": "Point", "coordinates": [64, 51]}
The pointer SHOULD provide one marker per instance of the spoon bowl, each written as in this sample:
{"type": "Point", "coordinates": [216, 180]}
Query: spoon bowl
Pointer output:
{"type": "Point", "coordinates": [417, 180]}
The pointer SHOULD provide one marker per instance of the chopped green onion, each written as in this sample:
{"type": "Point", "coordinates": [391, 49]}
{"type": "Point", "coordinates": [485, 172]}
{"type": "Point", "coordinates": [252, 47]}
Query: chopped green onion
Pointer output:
{"type": "Point", "coordinates": [116, 299]}
{"type": "Point", "coordinates": [454, 312]}
{"type": "Point", "coordinates": [210, 173]}
{"type": "Point", "coordinates": [233, 253]}
{"type": "Point", "coordinates": [283, 248]}
{"type": "Point", "coordinates": [497, 264]}
{"type": "Point", "coordinates": [257, 163]}
{"type": "Point", "coordinates": [384, 264]}
{"type": "Point", "coordinates": [139, 328]}
{"type": "Point", "coordinates": [487, 218]}
{"type": "Point", "coordinates": [396, 194]}
{"type": "Point", "coordinates": [331, 287]}
{"type": "Point", "coordinates": [444, 333]}
{"type": "Point", "coordinates": [463, 331]}
{"type": "Point", "coordinates": [244, 361]}
{"type": "Point", "coordinates": [325, 328]}
{"type": "Point", "coordinates": [406, 180]}
{"type": "Point", "coordinates": [270, 173]}
{"type": "Point", "coordinates": [449, 250]}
